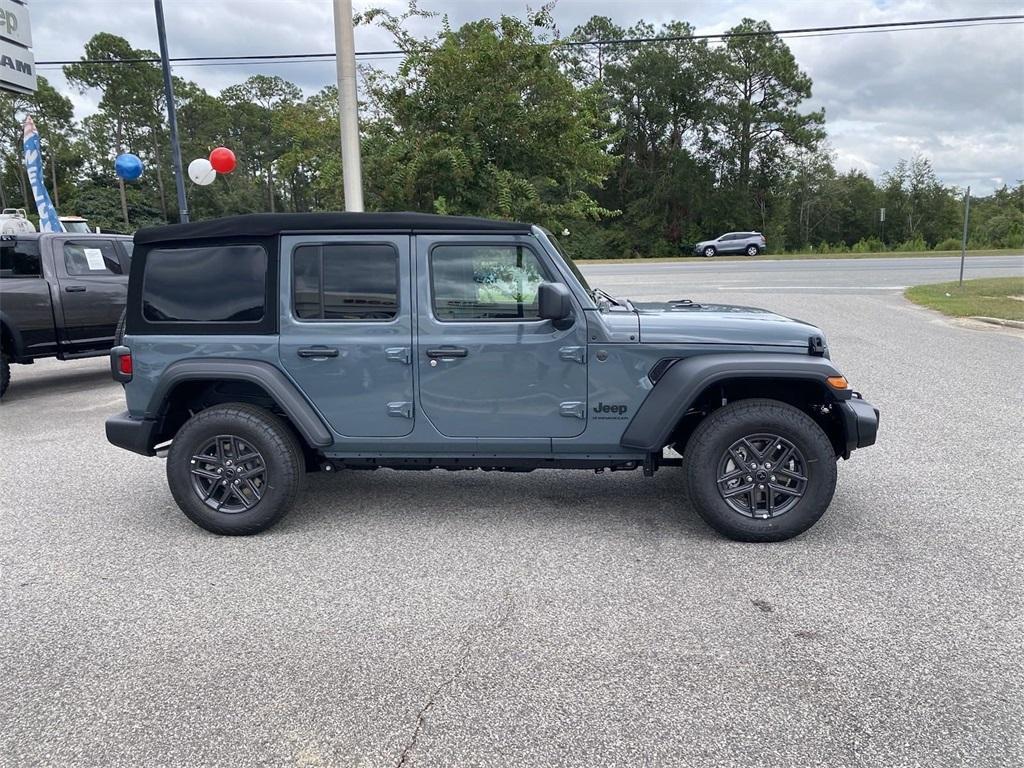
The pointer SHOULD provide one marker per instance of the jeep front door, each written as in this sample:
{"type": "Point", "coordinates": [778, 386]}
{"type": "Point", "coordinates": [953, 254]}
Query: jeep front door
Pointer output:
{"type": "Point", "coordinates": [489, 367]}
{"type": "Point", "coordinates": [346, 329]}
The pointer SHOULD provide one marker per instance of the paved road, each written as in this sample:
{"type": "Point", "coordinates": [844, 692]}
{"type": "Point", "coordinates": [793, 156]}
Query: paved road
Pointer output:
{"type": "Point", "coordinates": [557, 618]}
{"type": "Point", "coordinates": [833, 276]}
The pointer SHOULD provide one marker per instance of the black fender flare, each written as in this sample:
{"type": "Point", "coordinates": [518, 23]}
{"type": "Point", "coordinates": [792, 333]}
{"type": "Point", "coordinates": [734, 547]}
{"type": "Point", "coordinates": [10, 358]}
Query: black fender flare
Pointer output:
{"type": "Point", "coordinates": [680, 385]}
{"type": "Point", "coordinates": [278, 386]}
{"type": "Point", "coordinates": [12, 330]}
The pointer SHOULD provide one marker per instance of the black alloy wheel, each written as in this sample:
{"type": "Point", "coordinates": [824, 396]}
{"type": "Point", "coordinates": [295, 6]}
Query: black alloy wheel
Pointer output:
{"type": "Point", "coordinates": [228, 474]}
{"type": "Point", "coordinates": [762, 476]}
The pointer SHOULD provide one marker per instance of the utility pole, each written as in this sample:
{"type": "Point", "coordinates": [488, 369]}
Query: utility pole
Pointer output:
{"type": "Point", "coordinates": [172, 117]}
{"type": "Point", "coordinates": [963, 243]}
{"type": "Point", "coordinates": [348, 105]}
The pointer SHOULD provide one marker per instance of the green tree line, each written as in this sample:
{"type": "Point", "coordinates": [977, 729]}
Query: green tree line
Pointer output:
{"type": "Point", "coordinates": [635, 149]}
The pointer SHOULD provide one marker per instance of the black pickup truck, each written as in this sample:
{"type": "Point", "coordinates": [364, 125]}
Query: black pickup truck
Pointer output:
{"type": "Point", "coordinates": [61, 295]}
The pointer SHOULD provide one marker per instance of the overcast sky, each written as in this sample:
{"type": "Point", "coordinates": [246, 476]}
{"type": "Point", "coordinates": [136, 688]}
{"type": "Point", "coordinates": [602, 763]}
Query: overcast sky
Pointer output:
{"type": "Point", "coordinates": [953, 95]}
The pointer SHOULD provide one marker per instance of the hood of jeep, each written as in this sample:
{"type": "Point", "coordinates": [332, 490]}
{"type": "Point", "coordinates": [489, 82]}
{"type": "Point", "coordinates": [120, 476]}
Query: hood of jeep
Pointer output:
{"type": "Point", "coordinates": [693, 323]}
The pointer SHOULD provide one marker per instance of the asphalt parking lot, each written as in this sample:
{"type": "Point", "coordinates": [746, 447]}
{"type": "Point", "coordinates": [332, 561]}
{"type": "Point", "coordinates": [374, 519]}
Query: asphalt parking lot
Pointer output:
{"type": "Point", "coordinates": [548, 619]}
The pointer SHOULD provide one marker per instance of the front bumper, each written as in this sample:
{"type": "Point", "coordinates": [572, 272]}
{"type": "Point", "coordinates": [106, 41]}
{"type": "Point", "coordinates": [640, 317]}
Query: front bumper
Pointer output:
{"type": "Point", "coordinates": [860, 420]}
{"type": "Point", "coordinates": [135, 435]}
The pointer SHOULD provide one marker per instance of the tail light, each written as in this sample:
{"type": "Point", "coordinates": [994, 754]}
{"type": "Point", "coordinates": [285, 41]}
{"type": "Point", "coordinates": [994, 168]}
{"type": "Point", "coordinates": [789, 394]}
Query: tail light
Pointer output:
{"type": "Point", "coordinates": [121, 367]}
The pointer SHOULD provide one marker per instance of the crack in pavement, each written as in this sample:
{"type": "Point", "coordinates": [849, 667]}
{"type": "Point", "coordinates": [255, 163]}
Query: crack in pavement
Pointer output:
{"type": "Point", "coordinates": [501, 615]}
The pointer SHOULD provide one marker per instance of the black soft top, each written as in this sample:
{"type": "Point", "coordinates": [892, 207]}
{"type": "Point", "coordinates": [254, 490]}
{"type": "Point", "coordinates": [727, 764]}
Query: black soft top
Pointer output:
{"type": "Point", "coordinates": [271, 224]}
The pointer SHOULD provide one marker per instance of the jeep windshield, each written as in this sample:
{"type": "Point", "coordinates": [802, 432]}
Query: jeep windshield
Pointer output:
{"type": "Point", "coordinates": [568, 261]}
{"type": "Point", "coordinates": [597, 294]}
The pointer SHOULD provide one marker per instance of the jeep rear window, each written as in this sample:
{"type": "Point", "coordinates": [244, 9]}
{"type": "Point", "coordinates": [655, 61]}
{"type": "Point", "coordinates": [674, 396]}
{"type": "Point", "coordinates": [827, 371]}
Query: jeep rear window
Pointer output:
{"type": "Point", "coordinates": [335, 281]}
{"type": "Point", "coordinates": [212, 284]}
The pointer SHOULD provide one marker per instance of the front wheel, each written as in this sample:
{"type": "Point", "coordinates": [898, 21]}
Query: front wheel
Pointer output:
{"type": "Point", "coordinates": [709, 251]}
{"type": "Point", "coordinates": [753, 250]}
{"type": "Point", "coordinates": [760, 470]}
{"type": "Point", "coordinates": [234, 469]}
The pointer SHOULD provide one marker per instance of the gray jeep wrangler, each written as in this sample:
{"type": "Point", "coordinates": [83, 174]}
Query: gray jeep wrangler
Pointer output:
{"type": "Point", "coordinates": [260, 347]}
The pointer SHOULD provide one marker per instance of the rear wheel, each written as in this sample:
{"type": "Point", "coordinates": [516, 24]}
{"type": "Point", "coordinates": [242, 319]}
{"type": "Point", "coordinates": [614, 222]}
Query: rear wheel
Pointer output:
{"type": "Point", "coordinates": [5, 373]}
{"type": "Point", "coordinates": [710, 251]}
{"type": "Point", "coordinates": [753, 250]}
{"type": "Point", "coordinates": [760, 470]}
{"type": "Point", "coordinates": [234, 469]}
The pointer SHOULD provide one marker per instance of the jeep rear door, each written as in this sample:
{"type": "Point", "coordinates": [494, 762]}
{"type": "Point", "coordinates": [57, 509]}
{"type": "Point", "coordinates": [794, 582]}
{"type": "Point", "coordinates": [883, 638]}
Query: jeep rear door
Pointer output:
{"type": "Point", "coordinates": [346, 329]}
{"type": "Point", "coordinates": [488, 366]}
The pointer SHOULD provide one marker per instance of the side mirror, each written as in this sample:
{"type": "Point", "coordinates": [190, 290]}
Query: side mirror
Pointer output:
{"type": "Point", "coordinates": [553, 302]}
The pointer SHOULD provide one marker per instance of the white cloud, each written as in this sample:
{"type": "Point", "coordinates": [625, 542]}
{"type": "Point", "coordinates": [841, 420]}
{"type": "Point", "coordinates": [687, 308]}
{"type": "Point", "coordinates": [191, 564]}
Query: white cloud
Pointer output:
{"type": "Point", "coordinates": [954, 95]}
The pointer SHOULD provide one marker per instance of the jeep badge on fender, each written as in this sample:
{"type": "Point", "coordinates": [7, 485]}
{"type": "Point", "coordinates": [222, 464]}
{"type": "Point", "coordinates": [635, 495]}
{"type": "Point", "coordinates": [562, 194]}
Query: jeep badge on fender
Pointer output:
{"type": "Point", "coordinates": [257, 348]}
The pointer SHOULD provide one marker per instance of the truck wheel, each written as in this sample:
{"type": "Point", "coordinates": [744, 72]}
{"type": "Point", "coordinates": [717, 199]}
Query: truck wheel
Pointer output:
{"type": "Point", "coordinates": [5, 373]}
{"type": "Point", "coordinates": [119, 333]}
{"type": "Point", "coordinates": [234, 469]}
{"type": "Point", "coordinates": [760, 470]}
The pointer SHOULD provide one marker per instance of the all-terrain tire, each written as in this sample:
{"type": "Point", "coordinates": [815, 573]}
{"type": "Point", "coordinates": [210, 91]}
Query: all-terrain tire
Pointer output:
{"type": "Point", "coordinates": [255, 428]}
{"type": "Point", "coordinates": [710, 444]}
{"type": "Point", "coordinates": [5, 373]}
{"type": "Point", "coordinates": [119, 333]}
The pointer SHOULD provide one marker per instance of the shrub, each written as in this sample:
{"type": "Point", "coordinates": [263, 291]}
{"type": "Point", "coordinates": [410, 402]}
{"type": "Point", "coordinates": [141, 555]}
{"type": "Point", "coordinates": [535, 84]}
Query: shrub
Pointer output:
{"type": "Point", "coordinates": [870, 245]}
{"type": "Point", "coordinates": [917, 244]}
{"type": "Point", "coordinates": [949, 244]}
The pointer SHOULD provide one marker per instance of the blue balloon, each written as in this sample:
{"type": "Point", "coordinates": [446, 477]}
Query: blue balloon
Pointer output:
{"type": "Point", "coordinates": [128, 166]}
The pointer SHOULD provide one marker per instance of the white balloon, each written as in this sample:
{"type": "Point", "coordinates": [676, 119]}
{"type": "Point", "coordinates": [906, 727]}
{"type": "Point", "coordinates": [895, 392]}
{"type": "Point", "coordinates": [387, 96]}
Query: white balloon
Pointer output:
{"type": "Point", "coordinates": [201, 172]}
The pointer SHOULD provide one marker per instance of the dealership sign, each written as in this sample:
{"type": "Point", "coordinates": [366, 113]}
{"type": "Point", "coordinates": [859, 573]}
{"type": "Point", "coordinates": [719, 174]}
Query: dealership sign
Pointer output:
{"type": "Point", "coordinates": [17, 65]}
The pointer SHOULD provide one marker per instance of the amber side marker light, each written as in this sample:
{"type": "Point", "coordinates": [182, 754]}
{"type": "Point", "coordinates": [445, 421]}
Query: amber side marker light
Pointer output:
{"type": "Point", "coordinates": [838, 382]}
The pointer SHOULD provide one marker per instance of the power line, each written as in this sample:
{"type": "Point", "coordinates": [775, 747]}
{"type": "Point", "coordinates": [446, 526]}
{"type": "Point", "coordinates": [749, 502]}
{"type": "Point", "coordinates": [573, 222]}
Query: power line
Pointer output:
{"type": "Point", "coordinates": [285, 58]}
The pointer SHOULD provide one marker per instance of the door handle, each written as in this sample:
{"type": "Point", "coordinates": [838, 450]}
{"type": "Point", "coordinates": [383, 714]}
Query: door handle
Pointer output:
{"type": "Point", "coordinates": [318, 353]}
{"type": "Point", "coordinates": [447, 352]}
{"type": "Point", "coordinates": [74, 288]}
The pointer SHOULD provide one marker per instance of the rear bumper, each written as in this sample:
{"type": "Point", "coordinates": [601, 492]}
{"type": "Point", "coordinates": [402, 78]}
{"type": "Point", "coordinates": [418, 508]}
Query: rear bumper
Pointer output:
{"type": "Point", "coordinates": [860, 419]}
{"type": "Point", "coordinates": [135, 435]}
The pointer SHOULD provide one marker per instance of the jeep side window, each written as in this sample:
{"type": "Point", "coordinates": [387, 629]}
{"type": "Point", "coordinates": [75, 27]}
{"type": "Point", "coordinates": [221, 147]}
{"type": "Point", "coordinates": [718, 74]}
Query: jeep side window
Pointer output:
{"type": "Point", "coordinates": [224, 283]}
{"type": "Point", "coordinates": [485, 282]}
{"type": "Point", "coordinates": [335, 281]}
{"type": "Point", "coordinates": [91, 259]}
{"type": "Point", "coordinates": [20, 259]}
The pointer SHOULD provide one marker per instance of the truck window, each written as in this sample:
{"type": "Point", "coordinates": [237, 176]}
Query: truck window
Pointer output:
{"type": "Point", "coordinates": [20, 258]}
{"type": "Point", "coordinates": [211, 284]}
{"type": "Point", "coordinates": [91, 258]}
{"type": "Point", "coordinates": [485, 282]}
{"type": "Point", "coordinates": [334, 281]}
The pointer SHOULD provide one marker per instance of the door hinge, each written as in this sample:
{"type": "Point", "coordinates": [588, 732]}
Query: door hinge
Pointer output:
{"type": "Point", "coordinates": [579, 354]}
{"type": "Point", "coordinates": [573, 409]}
{"type": "Point", "coordinates": [401, 410]}
{"type": "Point", "coordinates": [399, 354]}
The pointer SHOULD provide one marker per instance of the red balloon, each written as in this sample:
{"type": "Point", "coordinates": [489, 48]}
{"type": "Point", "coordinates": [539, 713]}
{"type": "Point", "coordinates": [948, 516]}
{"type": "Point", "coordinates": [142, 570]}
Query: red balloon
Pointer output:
{"type": "Point", "coordinates": [223, 160]}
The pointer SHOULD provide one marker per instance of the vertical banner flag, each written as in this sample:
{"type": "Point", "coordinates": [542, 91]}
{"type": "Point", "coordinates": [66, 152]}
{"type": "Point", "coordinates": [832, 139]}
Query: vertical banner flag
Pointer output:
{"type": "Point", "coordinates": [48, 220]}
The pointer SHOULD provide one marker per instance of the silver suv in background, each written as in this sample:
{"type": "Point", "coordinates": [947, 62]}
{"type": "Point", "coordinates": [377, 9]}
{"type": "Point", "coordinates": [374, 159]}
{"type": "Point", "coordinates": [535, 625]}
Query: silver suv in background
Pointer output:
{"type": "Point", "coordinates": [750, 243]}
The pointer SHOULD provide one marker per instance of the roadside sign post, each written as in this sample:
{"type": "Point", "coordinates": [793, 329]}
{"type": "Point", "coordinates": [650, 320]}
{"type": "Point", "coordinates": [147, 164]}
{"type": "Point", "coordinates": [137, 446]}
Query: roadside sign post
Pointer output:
{"type": "Point", "coordinates": [172, 116]}
{"type": "Point", "coordinates": [348, 106]}
{"type": "Point", "coordinates": [963, 243]}
{"type": "Point", "coordinates": [881, 222]}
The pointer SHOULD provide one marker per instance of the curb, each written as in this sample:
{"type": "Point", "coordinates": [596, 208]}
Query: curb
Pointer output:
{"type": "Point", "coordinates": [999, 321]}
